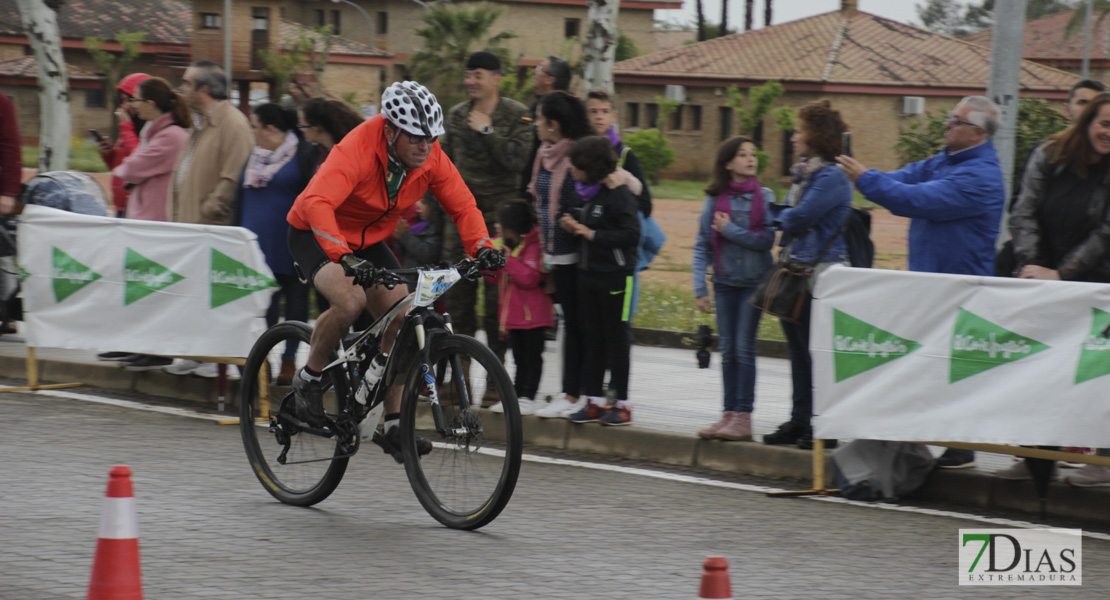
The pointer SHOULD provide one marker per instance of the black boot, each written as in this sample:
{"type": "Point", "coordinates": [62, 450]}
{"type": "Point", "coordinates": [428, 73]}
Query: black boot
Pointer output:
{"type": "Point", "coordinates": [788, 433]}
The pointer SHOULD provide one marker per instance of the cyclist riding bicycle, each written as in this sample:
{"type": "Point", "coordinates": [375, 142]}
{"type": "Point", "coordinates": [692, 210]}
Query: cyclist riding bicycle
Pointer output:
{"type": "Point", "coordinates": [339, 222]}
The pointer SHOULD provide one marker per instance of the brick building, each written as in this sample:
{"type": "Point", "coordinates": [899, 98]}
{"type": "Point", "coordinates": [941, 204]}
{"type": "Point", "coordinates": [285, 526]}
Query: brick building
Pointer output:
{"type": "Point", "coordinates": [542, 26]}
{"type": "Point", "coordinates": [1044, 42]}
{"type": "Point", "coordinates": [177, 33]}
{"type": "Point", "coordinates": [879, 73]}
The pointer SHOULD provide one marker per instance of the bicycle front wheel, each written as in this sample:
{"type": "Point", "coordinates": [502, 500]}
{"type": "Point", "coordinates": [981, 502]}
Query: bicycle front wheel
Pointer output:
{"type": "Point", "coordinates": [469, 477]}
{"type": "Point", "coordinates": [294, 465]}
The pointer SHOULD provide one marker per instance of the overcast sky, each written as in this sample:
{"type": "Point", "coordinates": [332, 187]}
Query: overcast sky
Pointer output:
{"type": "Point", "coordinates": [787, 10]}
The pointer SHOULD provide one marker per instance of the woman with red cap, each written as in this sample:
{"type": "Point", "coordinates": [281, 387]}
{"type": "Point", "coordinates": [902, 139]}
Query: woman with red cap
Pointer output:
{"type": "Point", "coordinates": [129, 126]}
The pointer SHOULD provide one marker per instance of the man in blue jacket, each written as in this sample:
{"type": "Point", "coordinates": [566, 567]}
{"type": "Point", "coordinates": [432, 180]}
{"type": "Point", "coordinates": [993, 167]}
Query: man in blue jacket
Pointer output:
{"type": "Point", "coordinates": [954, 199]}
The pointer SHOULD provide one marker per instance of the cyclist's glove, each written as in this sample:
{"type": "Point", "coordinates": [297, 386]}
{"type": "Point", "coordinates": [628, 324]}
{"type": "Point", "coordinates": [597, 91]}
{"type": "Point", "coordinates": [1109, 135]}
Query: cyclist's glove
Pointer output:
{"type": "Point", "coordinates": [490, 259]}
{"type": "Point", "coordinates": [363, 271]}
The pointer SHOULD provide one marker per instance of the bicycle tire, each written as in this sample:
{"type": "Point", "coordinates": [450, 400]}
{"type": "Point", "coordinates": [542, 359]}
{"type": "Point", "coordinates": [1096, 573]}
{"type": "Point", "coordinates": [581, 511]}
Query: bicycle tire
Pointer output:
{"type": "Point", "coordinates": [312, 470]}
{"type": "Point", "coordinates": [464, 483]}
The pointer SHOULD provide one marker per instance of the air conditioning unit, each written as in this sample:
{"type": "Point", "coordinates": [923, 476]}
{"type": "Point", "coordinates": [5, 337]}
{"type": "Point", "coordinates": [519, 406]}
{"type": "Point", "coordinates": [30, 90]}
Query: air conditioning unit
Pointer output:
{"type": "Point", "coordinates": [676, 93]}
{"type": "Point", "coordinates": [913, 105]}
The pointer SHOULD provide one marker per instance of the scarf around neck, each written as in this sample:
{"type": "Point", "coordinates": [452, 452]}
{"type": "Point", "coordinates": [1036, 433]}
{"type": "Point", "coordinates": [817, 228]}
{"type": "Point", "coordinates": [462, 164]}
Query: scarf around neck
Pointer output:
{"type": "Point", "coordinates": [554, 159]}
{"type": "Point", "coordinates": [587, 190]}
{"type": "Point", "coordinates": [800, 174]}
{"type": "Point", "coordinates": [755, 214]}
{"type": "Point", "coordinates": [264, 164]}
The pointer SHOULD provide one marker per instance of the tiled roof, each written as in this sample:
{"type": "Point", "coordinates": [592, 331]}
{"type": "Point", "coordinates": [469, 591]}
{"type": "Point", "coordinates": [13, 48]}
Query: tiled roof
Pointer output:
{"type": "Point", "coordinates": [291, 32]}
{"type": "Point", "coordinates": [24, 66]}
{"type": "Point", "coordinates": [861, 49]}
{"type": "Point", "coordinates": [1044, 38]}
{"type": "Point", "coordinates": [164, 21]}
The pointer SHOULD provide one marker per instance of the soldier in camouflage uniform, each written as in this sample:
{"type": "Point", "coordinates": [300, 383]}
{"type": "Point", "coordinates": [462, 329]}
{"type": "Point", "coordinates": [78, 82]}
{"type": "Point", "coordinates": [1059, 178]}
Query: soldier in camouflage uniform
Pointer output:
{"type": "Point", "coordinates": [488, 138]}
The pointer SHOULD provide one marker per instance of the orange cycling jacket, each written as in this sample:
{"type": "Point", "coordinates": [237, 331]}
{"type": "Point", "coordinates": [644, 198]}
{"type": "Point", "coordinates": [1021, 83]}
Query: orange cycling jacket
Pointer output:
{"type": "Point", "coordinates": [346, 206]}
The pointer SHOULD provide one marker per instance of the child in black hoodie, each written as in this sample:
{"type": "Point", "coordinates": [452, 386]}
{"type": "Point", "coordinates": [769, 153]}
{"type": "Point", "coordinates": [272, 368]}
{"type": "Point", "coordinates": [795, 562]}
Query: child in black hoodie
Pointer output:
{"type": "Point", "coordinates": [609, 230]}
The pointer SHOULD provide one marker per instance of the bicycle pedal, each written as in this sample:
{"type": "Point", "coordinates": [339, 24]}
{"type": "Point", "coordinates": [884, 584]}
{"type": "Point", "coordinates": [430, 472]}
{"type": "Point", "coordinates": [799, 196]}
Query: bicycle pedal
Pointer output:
{"type": "Point", "coordinates": [387, 447]}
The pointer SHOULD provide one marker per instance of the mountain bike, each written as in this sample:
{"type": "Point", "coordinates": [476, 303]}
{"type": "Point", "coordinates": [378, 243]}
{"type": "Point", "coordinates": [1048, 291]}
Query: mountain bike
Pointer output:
{"type": "Point", "coordinates": [468, 477]}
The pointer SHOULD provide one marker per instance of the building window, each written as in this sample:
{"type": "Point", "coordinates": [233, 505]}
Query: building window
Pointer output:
{"type": "Point", "coordinates": [321, 18]}
{"type": "Point", "coordinates": [335, 22]}
{"type": "Point", "coordinates": [787, 152]}
{"type": "Point", "coordinates": [94, 97]}
{"type": "Point", "coordinates": [757, 135]}
{"type": "Point", "coordinates": [571, 28]}
{"type": "Point", "coordinates": [726, 122]}
{"type": "Point", "coordinates": [260, 19]}
{"type": "Point", "coordinates": [383, 23]}
{"type": "Point", "coordinates": [633, 114]}
{"type": "Point", "coordinates": [695, 118]}
{"type": "Point", "coordinates": [653, 116]}
{"type": "Point", "coordinates": [211, 20]}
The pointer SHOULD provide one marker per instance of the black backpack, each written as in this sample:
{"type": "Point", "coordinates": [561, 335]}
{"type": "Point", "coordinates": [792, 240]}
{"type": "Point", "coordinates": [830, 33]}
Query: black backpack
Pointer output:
{"type": "Point", "coordinates": [857, 236]}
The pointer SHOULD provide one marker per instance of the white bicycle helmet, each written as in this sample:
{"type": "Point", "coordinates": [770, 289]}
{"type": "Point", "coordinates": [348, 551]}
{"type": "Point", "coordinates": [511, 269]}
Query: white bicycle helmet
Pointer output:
{"type": "Point", "coordinates": [411, 107]}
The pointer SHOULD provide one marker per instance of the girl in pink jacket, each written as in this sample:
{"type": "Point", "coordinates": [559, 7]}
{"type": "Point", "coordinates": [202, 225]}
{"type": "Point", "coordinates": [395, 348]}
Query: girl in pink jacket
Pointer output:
{"type": "Point", "coordinates": [526, 310]}
{"type": "Point", "coordinates": [147, 171]}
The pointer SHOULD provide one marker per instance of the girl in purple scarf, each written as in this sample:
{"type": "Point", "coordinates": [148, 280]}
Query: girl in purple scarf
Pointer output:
{"type": "Point", "coordinates": [734, 238]}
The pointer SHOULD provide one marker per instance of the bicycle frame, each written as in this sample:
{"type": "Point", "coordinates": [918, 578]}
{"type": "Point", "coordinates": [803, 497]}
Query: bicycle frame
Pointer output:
{"type": "Point", "coordinates": [412, 338]}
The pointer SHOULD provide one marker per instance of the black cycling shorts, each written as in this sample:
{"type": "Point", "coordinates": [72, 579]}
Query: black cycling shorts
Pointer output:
{"type": "Point", "coordinates": [309, 257]}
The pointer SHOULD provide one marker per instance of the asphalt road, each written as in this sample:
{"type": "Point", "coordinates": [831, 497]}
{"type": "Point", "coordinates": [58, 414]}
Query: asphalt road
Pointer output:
{"type": "Point", "coordinates": [209, 530]}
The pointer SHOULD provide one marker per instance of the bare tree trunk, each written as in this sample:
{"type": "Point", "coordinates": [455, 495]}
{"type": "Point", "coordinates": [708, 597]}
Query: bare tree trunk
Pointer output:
{"type": "Point", "coordinates": [40, 23]}
{"type": "Point", "coordinates": [723, 30]}
{"type": "Point", "coordinates": [601, 44]}
{"type": "Point", "coordinates": [749, 14]}
{"type": "Point", "coordinates": [701, 22]}
{"type": "Point", "coordinates": [767, 13]}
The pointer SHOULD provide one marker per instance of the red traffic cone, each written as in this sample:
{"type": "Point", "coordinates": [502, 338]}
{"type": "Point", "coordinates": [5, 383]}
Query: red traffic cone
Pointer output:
{"type": "Point", "coordinates": [714, 579]}
{"type": "Point", "coordinates": [115, 570]}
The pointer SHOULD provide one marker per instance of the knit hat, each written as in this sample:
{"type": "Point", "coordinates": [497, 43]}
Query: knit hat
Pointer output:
{"type": "Point", "coordinates": [484, 60]}
{"type": "Point", "coordinates": [129, 84]}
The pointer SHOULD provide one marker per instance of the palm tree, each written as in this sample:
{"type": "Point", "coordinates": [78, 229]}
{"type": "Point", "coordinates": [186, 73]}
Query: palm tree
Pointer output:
{"type": "Point", "coordinates": [451, 33]}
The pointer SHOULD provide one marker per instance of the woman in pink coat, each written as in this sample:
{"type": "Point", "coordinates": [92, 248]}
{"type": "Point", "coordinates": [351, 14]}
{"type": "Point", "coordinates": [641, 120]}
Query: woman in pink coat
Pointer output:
{"type": "Point", "coordinates": [526, 310]}
{"type": "Point", "coordinates": [147, 171]}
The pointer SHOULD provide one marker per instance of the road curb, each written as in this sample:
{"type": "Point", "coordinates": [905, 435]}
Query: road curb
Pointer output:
{"type": "Point", "coordinates": [955, 487]}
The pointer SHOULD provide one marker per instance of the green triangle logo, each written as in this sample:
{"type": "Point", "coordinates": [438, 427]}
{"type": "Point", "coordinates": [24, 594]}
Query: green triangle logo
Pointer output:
{"type": "Point", "coordinates": [232, 279]}
{"type": "Point", "coordinates": [979, 345]}
{"type": "Point", "coordinates": [69, 275]}
{"type": "Point", "coordinates": [859, 346]}
{"type": "Point", "coordinates": [1094, 353]}
{"type": "Point", "coordinates": [142, 277]}
{"type": "Point", "coordinates": [24, 274]}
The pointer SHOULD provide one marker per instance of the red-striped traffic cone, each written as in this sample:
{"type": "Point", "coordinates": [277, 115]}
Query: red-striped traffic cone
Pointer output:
{"type": "Point", "coordinates": [714, 579]}
{"type": "Point", "coordinates": [115, 570]}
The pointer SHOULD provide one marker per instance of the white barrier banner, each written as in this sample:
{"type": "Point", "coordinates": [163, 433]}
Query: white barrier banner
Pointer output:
{"type": "Point", "coordinates": [99, 283]}
{"type": "Point", "coordinates": [932, 357]}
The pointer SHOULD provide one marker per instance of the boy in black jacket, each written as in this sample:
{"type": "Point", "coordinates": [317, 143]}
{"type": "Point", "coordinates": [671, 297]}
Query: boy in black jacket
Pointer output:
{"type": "Point", "coordinates": [609, 229]}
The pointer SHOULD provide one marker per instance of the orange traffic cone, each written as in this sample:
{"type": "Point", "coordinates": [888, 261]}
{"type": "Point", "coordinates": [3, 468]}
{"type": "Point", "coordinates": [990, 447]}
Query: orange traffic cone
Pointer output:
{"type": "Point", "coordinates": [714, 579]}
{"type": "Point", "coordinates": [115, 570]}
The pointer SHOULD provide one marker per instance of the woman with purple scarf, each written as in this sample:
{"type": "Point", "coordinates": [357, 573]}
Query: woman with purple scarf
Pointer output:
{"type": "Point", "coordinates": [734, 237]}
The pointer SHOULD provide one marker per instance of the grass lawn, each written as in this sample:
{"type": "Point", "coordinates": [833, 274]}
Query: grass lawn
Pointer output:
{"type": "Point", "coordinates": [82, 157]}
{"type": "Point", "coordinates": [685, 189]}
{"type": "Point", "coordinates": [672, 307]}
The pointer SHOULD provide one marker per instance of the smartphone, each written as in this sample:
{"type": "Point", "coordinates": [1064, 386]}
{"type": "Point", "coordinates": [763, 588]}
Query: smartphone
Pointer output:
{"type": "Point", "coordinates": [846, 142]}
{"type": "Point", "coordinates": [96, 134]}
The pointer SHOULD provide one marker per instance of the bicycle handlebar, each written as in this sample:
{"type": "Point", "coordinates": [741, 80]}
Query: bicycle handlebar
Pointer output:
{"type": "Point", "coordinates": [467, 267]}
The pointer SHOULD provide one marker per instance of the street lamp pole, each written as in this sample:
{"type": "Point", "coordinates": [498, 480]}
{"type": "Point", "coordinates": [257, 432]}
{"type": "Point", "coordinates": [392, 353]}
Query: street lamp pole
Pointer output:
{"type": "Point", "coordinates": [369, 22]}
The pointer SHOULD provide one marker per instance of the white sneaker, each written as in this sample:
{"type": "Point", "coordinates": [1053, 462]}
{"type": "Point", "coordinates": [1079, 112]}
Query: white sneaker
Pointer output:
{"type": "Point", "coordinates": [181, 366]}
{"type": "Point", "coordinates": [527, 406]}
{"type": "Point", "coordinates": [561, 408]}
{"type": "Point", "coordinates": [210, 370]}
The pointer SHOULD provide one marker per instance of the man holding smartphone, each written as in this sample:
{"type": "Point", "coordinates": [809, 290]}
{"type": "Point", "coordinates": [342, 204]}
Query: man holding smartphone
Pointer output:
{"type": "Point", "coordinates": [955, 201]}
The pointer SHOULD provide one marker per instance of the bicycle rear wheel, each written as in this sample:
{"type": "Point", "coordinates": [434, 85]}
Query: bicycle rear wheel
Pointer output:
{"type": "Point", "coordinates": [295, 466]}
{"type": "Point", "coordinates": [469, 477]}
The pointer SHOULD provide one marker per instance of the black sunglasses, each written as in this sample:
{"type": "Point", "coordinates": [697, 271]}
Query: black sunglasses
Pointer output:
{"type": "Point", "coordinates": [415, 140]}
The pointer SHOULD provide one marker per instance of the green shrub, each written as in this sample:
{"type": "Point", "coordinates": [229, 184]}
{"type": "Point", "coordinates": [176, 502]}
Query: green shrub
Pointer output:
{"type": "Point", "coordinates": [653, 149]}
